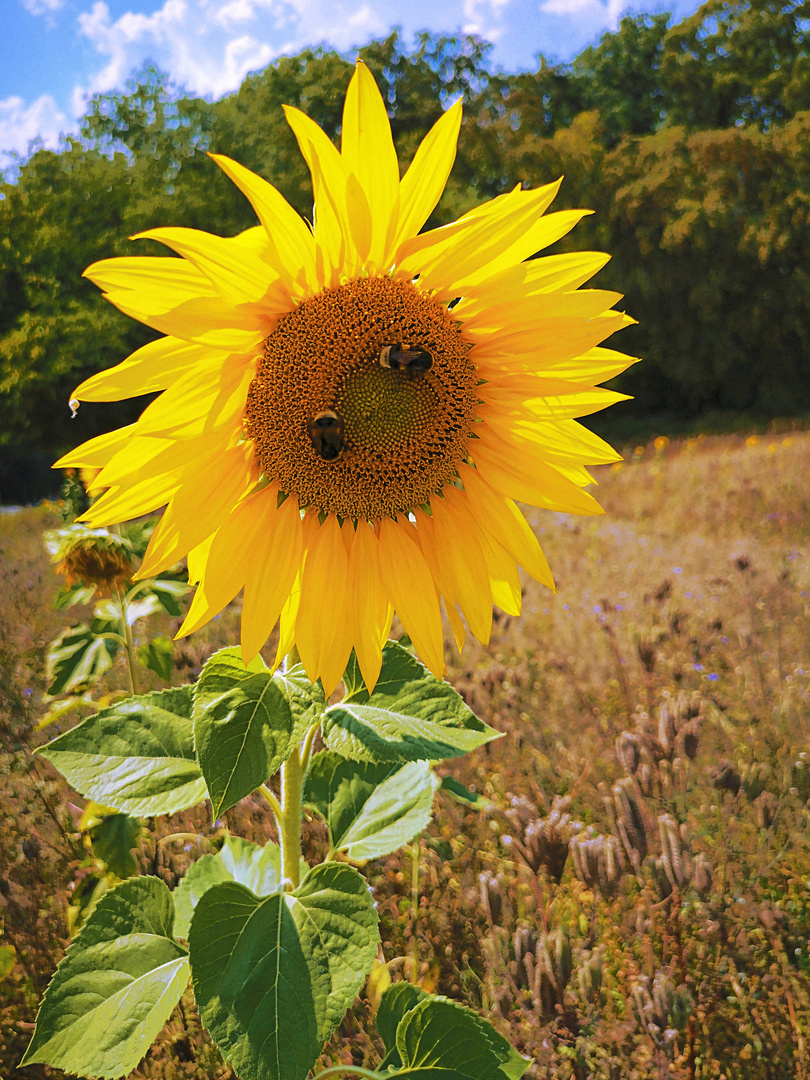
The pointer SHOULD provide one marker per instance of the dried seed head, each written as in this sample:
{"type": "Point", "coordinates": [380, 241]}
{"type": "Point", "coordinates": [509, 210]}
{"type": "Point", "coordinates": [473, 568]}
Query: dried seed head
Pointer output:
{"type": "Point", "coordinates": [544, 842]}
{"type": "Point", "coordinates": [725, 777]}
{"type": "Point", "coordinates": [675, 856]}
{"type": "Point", "coordinates": [596, 863]}
{"type": "Point", "coordinates": [589, 975]}
{"type": "Point", "coordinates": [491, 896]}
{"type": "Point", "coordinates": [766, 806]}
{"type": "Point", "coordinates": [628, 751]}
{"type": "Point", "coordinates": [632, 820]}
{"type": "Point", "coordinates": [702, 876]}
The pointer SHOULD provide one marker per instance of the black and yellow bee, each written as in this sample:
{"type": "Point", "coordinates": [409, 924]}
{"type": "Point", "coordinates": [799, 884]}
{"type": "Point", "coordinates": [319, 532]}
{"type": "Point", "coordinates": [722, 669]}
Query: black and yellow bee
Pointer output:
{"type": "Point", "coordinates": [326, 432]}
{"type": "Point", "coordinates": [401, 356]}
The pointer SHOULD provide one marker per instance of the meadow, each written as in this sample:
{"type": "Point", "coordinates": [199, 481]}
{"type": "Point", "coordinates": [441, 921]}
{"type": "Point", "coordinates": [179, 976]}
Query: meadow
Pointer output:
{"type": "Point", "coordinates": [628, 897]}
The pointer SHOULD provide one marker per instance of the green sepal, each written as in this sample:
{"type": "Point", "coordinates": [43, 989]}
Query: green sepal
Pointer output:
{"type": "Point", "coordinates": [116, 986]}
{"type": "Point", "coordinates": [257, 868]}
{"type": "Point", "coordinates": [410, 716]}
{"type": "Point", "coordinates": [273, 977]}
{"type": "Point", "coordinates": [136, 756]}
{"type": "Point", "coordinates": [247, 723]}
{"type": "Point", "coordinates": [370, 809]}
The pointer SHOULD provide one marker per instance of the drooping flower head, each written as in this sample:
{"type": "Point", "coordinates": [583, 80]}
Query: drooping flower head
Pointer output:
{"type": "Point", "coordinates": [350, 410]}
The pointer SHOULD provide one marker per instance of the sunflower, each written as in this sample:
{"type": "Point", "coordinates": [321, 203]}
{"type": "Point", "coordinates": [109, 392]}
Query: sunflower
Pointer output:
{"type": "Point", "coordinates": [350, 410]}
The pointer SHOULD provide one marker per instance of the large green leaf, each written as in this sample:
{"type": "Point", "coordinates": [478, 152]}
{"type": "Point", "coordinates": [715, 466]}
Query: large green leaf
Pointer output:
{"type": "Point", "coordinates": [116, 986]}
{"type": "Point", "coordinates": [442, 1039]}
{"type": "Point", "coordinates": [397, 999]}
{"type": "Point", "coordinates": [81, 655]}
{"type": "Point", "coordinates": [247, 722]}
{"type": "Point", "coordinates": [257, 868]}
{"type": "Point", "coordinates": [136, 756]}
{"type": "Point", "coordinates": [410, 716]}
{"type": "Point", "coordinates": [273, 976]}
{"type": "Point", "coordinates": [370, 809]}
{"type": "Point", "coordinates": [157, 654]}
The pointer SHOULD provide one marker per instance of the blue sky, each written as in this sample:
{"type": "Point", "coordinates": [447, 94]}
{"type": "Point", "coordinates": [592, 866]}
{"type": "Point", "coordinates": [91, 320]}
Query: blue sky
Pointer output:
{"type": "Point", "coordinates": [56, 53]}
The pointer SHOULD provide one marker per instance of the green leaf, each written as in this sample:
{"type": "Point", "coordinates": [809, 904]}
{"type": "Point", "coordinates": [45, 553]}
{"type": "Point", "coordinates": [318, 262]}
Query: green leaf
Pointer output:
{"type": "Point", "coordinates": [397, 999]}
{"type": "Point", "coordinates": [136, 756]}
{"type": "Point", "coordinates": [79, 657]}
{"type": "Point", "coordinates": [410, 716]}
{"type": "Point", "coordinates": [257, 868]}
{"type": "Point", "coordinates": [116, 986]}
{"type": "Point", "coordinates": [370, 809]}
{"type": "Point", "coordinates": [113, 839]}
{"type": "Point", "coordinates": [139, 607]}
{"type": "Point", "coordinates": [8, 958]}
{"type": "Point", "coordinates": [158, 656]}
{"type": "Point", "coordinates": [460, 793]}
{"type": "Point", "coordinates": [70, 595]}
{"type": "Point", "coordinates": [440, 1038]}
{"type": "Point", "coordinates": [274, 976]}
{"type": "Point", "coordinates": [247, 722]}
{"type": "Point", "coordinates": [169, 593]}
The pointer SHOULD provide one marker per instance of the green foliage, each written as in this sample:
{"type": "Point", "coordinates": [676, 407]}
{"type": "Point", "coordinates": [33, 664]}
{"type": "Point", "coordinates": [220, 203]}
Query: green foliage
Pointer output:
{"type": "Point", "coordinates": [410, 716]}
{"type": "Point", "coordinates": [247, 722]}
{"type": "Point", "coordinates": [370, 809]}
{"type": "Point", "coordinates": [116, 986]}
{"type": "Point", "coordinates": [81, 655]}
{"type": "Point", "coordinates": [136, 755]}
{"type": "Point", "coordinates": [273, 976]}
{"type": "Point", "coordinates": [157, 655]}
{"type": "Point", "coordinates": [112, 839]}
{"type": "Point", "coordinates": [257, 868]}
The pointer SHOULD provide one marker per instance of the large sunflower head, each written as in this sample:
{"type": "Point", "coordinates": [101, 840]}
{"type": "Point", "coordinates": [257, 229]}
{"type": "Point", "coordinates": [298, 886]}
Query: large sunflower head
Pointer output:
{"type": "Point", "coordinates": [350, 409]}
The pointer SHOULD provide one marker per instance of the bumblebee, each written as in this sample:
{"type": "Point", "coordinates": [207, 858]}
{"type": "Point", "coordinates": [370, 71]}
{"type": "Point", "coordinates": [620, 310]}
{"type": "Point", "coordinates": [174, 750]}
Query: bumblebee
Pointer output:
{"type": "Point", "coordinates": [326, 432]}
{"type": "Point", "coordinates": [401, 356]}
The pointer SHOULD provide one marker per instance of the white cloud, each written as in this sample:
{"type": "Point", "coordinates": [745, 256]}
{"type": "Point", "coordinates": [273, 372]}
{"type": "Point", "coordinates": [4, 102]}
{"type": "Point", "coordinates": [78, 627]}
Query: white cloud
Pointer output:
{"type": "Point", "coordinates": [21, 124]}
{"type": "Point", "coordinates": [484, 18]}
{"type": "Point", "coordinates": [209, 46]}
{"type": "Point", "coordinates": [43, 7]}
{"type": "Point", "coordinates": [600, 13]}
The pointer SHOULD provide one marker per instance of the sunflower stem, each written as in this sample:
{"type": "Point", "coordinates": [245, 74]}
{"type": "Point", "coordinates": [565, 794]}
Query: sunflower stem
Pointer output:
{"type": "Point", "coordinates": [292, 784]}
{"type": "Point", "coordinates": [129, 643]}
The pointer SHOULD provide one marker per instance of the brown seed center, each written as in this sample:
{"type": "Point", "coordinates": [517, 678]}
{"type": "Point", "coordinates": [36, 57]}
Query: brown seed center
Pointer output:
{"type": "Point", "coordinates": [404, 433]}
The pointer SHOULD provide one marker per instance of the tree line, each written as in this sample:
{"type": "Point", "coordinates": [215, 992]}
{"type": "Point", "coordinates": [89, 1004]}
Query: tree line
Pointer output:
{"type": "Point", "coordinates": [691, 143]}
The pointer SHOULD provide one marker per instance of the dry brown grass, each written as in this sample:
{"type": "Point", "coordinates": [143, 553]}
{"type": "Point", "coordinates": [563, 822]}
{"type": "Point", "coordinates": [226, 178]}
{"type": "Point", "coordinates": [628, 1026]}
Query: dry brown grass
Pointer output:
{"type": "Point", "coordinates": [662, 698]}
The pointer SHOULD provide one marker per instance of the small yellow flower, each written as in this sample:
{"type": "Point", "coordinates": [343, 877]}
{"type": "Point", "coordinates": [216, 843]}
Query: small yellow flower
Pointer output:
{"type": "Point", "coordinates": [350, 411]}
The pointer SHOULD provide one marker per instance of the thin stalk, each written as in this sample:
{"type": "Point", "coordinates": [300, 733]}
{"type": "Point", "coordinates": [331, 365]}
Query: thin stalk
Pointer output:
{"type": "Point", "coordinates": [342, 1070]}
{"type": "Point", "coordinates": [129, 643]}
{"type": "Point", "coordinates": [415, 908]}
{"type": "Point", "coordinates": [273, 802]}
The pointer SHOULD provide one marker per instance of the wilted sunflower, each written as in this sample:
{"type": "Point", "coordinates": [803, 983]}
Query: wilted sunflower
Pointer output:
{"type": "Point", "coordinates": [349, 410]}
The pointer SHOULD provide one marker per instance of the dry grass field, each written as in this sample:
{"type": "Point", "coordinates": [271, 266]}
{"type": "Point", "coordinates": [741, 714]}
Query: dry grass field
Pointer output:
{"type": "Point", "coordinates": [633, 898]}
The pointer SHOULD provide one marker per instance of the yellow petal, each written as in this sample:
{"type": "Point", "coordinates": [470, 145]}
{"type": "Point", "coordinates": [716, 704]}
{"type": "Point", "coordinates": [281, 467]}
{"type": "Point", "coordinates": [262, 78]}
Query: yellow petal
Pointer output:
{"type": "Point", "coordinates": [210, 397]}
{"type": "Point", "coordinates": [368, 151]}
{"type": "Point", "coordinates": [502, 520]}
{"type": "Point", "coordinates": [152, 367]}
{"type": "Point", "coordinates": [292, 253]}
{"type": "Point", "coordinates": [217, 482]}
{"type": "Point", "coordinates": [547, 274]}
{"type": "Point", "coordinates": [527, 477]}
{"type": "Point", "coordinates": [123, 504]}
{"type": "Point", "coordinates": [526, 310]}
{"type": "Point", "coordinates": [207, 320]}
{"type": "Point", "coordinates": [329, 179]}
{"type": "Point", "coordinates": [275, 565]}
{"type": "Point", "coordinates": [157, 283]}
{"type": "Point", "coordinates": [235, 266]}
{"type": "Point", "coordinates": [426, 533]}
{"type": "Point", "coordinates": [197, 559]}
{"type": "Point", "coordinates": [548, 342]}
{"type": "Point", "coordinates": [422, 185]}
{"type": "Point", "coordinates": [504, 581]}
{"type": "Point", "coordinates": [411, 591]}
{"type": "Point", "coordinates": [460, 555]}
{"type": "Point", "coordinates": [367, 606]}
{"type": "Point", "coordinates": [230, 560]}
{"type": "Point", "coordinates": [320, 627]}
{"type": "Point", "coordinates": [97, 452]}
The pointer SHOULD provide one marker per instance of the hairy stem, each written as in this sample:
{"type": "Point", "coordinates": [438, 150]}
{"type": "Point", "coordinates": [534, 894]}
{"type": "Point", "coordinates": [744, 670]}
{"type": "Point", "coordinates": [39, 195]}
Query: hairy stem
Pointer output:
{"type": "Point", "coordinates": [292, 783]}
{"type": "Point", "coordinates": [129, 643]}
